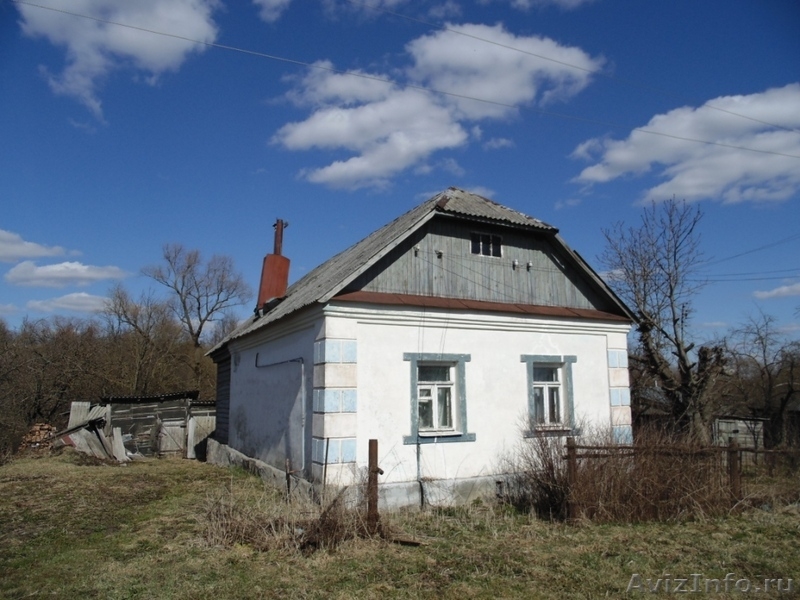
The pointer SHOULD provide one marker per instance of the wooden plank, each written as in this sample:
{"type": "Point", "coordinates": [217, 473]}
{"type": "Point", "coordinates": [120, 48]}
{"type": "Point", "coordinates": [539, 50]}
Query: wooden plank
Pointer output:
{"type": "Point", "coordinates": [118, 447]}
{"type": "Point", "coordinates": [78, 413]}
{"type": "Point", "coordinates": [438, 261]}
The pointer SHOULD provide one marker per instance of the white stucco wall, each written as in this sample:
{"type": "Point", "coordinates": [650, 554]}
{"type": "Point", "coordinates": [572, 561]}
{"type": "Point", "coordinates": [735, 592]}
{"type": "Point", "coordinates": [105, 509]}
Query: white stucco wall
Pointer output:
{"type": "Point", "coordinates": [496, 382]}
{"type": "Point", "coordinates": [271, 383]}
{"type": "Point", "coordinates": [318, 387]}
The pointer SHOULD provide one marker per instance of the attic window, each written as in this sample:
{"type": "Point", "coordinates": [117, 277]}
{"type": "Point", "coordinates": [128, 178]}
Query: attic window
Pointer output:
{"type": "Point", "coordinates": [487, 245]}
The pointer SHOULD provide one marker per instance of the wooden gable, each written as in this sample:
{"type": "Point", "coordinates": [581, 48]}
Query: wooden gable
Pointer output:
{"type": "Point", "coordinates": [440, 260]}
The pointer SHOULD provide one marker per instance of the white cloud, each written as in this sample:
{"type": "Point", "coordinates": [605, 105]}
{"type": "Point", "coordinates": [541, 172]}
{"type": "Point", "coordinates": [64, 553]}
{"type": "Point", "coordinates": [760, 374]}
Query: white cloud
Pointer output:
{"type": "Point", "coordinates": [95, 48]}
{"type": "Point", "coordinates": [452, 61]}
{"type": "Point", "coordinates": [695, 171]}
{"type": "Point", "coordinates": [383, 128]}
{"type": "Point", "coordinates": [497, 143]}
{"type": "Point", "coordinates": [271, 10]}
{"type": "Point", "coordinates": [569, 203]}
{"type": "Point", "coordinates": [779, 292]}
{"type": "Point", "coordinates": [14, 248]}
{"type": "Point", "coordinates": [481, 191]}
{"type": "Point", "coordinates": [388, 132]}
{"type": "Point", "coordinates": [445, 10]}
{"type": "Point", "coordinates": [321, 86]}
{"type": "Point", "coordinates": [565, 4]}
{"type": "Point", "coordinates": [79, 302]}
{"type": "Point", "coordinates": [450, 165]}
{"type": "Point", "coordinates": [369, 7]}
{"type": "Point", "coordinates": [7, 309]}
{"type": "Point", "coordinates": [27, 273]}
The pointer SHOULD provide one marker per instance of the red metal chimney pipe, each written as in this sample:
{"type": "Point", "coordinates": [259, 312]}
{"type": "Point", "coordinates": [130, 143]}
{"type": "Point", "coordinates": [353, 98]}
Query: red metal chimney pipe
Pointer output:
{"type": "Point", "coordinates": [279, 226]}
{"type": "Point", "coordinates": [274, 271]}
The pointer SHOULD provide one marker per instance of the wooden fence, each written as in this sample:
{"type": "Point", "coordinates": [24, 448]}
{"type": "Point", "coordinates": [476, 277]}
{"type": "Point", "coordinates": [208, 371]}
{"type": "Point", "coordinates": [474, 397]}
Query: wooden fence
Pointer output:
{"type": "Point", "coordinates": [727, 462]}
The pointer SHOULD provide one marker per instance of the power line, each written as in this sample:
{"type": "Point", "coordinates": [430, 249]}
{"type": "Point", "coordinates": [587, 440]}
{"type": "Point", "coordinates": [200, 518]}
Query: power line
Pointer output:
{"type": "Point", "coordinates": [742, 279]}
{"type": "Point", "coordinates": [623, 80]}
{"type": "Point", "coordinates": [753, 250]}
{"type": "Point", "coordinates": [786, 273]}
{"type": "Point", "coordinates": [404, 85]}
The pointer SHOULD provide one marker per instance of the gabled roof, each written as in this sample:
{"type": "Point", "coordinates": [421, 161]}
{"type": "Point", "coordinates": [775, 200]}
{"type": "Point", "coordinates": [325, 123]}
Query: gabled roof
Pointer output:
{"type": "Point", "coordinates": [322, 283]}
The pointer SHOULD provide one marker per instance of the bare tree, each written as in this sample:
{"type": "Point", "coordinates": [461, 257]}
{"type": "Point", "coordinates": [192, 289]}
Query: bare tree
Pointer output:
{"type": "Point", "coordinates": [146, 339]}
{"type": "Point", "coordinates": [201, 291]}
{"type": "Point", "coordinates": [764, 368]}
{"type": "Point", "coordinates": [223, 326]}
{"type": "Point", "coordinates": [655, 268]}
{"type": "Point", "coordinates": [62, 359]}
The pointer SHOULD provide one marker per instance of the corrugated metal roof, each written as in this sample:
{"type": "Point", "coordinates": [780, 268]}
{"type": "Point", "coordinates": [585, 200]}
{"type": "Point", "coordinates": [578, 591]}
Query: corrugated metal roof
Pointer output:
{"type": "Point", "coordinates": [323, 282]}
{"type": "Point", "coordinates": [467, 204]}
{"type": "Point", "coordinates": [188, 394]}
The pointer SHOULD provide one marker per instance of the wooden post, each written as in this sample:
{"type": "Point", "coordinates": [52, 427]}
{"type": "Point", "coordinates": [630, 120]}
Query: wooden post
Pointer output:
{"type": "Point", "coordinates": [372, 488]}
{"type": "Point", "coordinates": [734, 472]}
{"type": "Point", "coordinates": [288, 480]}
{"type": "Point", "coordinates": [572, 478]}
{"type": "Point", "coordinates": [325, 465]}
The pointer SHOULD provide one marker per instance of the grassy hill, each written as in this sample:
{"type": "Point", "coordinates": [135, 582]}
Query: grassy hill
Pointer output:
{"type": "Point", "coordinates": [73, 528]}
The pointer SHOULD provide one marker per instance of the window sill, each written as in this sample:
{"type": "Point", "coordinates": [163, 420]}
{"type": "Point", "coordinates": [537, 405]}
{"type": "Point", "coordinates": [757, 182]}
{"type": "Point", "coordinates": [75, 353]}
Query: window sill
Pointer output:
{"type": "Point", "coordinates": [438, 437]}
{"type": "Point", "coordinates": [552, 431]}
{"type": "Point", "coordinates": [439, 432]}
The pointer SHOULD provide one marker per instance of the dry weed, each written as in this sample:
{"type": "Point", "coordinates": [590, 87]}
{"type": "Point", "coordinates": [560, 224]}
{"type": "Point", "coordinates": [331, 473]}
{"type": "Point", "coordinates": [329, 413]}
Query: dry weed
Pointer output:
{"type": "Point", "coordinates": [658, 478]}
{"type": "Point", "coordinates": [265, 520]}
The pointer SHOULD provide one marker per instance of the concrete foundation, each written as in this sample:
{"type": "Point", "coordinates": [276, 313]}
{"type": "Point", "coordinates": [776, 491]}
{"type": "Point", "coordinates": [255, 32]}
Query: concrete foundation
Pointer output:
{"type": "Point", "coordinates": [391, 496]}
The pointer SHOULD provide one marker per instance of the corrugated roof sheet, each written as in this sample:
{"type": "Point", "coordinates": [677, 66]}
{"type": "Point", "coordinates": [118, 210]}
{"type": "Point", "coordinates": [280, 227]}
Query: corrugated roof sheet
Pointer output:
{"type": "Point", "coordinates": [189, 394]}
{"type": "Point", "coordinates": [330, 277]}
{"type": "Point", "coordinates": [467, 204]}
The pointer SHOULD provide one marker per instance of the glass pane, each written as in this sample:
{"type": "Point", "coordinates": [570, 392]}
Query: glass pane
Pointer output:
{"type": "Point", "coordinates": [476, 243]}
{"type": "Point", "coordinates": [545, 374]}
{"type": "Point", "coordinates": [425, 414]}
{"type": "Point", "coordinates": [433, 373]}
{"type": "Point", "coordinates": [495, 245]}
{"type": "Point", "coordinates": [445, 409]}
{"type": "Point", "coordinates": [485, 245]}
{"type": "Point", "coordinates": [555, 405]}
{"type": "Point", "coordinates": [538, 405]}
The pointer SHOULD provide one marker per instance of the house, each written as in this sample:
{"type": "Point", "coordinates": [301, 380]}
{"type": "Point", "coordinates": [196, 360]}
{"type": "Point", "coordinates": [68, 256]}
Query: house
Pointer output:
{"type": "Point", "coordinates": [447, 335]}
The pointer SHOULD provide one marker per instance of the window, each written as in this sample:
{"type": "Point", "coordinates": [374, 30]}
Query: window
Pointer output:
{"type": "Point", "coordinates": [546, 394]}
{"type": "Point", "coordinates": [550, 395]}
{"type": "Point", "coordinates": [438, 398]}
{"type": "Point", "coordinates": [487, 245]}
{"type": "Point", "coordinates": [435, 397]}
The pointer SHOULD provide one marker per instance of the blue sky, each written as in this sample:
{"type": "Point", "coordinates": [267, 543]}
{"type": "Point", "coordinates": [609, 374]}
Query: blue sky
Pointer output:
{"type": "Point", "coordinates": [205, 120]}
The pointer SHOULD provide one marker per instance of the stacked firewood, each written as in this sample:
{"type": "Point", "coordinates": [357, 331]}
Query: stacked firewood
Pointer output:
{"type": "Point", "coordinates": [36, 436]}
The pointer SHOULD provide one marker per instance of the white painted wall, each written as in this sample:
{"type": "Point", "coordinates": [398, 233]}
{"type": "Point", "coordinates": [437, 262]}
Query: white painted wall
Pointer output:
{"type": "Point", "coordinates": [270, 406]}
{"type": "Point", "coordinates": [272, 411]}
{"type": "Point", "coordinates": [496, 381]}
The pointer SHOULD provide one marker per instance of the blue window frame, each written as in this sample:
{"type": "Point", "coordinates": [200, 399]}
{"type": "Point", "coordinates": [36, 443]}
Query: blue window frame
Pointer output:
{"type": "Point", "coordinates": [438, 398]}
{"type": "Point", "coordinates": [551, 399]}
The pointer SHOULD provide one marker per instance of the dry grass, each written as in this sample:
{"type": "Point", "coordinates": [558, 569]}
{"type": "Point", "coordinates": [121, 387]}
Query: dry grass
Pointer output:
{"type": "Point", "coordinates": [70, 530]}
{"type": "Point", "coordinates": [266, 520]}
{"type": "Point", "coordinates": [657, 479]}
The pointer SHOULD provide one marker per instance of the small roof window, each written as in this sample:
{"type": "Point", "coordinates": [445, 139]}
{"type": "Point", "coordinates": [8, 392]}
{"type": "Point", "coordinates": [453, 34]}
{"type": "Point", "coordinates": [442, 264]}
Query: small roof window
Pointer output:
{"type": "Point", "coordinates": [487, 245]}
